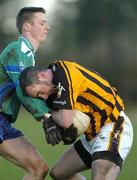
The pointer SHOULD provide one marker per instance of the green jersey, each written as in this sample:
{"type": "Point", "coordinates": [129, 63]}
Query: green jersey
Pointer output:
{"type": "Point", "coordinates": [13, 60]}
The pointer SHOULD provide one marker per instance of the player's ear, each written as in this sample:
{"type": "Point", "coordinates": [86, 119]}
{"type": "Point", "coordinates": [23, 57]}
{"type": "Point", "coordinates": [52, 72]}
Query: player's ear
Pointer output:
{"type": "Point", "coordinates": [42, 75]}
{"type": "Point", "coordinates": [26, 27]}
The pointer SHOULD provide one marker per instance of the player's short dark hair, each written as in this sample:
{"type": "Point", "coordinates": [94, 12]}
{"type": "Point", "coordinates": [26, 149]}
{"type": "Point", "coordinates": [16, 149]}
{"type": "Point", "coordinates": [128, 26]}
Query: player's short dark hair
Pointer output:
{"type": "Point", "coordinates": [29, 76]}
{"type": "Point", "coordinates": [25, 15]}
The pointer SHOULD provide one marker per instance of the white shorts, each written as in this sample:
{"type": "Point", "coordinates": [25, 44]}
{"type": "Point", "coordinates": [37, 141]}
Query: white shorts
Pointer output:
{"type": "Point", "coordinates": [104, 138]}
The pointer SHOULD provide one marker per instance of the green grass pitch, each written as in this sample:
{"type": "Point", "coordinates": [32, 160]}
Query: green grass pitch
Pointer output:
{"type": "Point", "coordinates": [33, 130]}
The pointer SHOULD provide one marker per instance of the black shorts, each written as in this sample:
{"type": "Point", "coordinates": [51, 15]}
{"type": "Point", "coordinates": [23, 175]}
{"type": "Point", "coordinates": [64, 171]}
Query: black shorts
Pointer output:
{"type": "Point", "coordinates": [88, 158]}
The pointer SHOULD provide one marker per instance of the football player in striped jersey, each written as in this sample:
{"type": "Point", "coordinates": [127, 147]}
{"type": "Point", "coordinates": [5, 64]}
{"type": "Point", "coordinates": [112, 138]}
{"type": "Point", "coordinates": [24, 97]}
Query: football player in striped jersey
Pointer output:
{"type": "Point", "coordinates": [67, 86]}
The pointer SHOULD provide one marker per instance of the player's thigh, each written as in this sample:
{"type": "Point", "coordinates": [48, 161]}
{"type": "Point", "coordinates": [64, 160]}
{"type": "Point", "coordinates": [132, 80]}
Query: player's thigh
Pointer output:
{"type": "Point", "coordinates": [104, 169]}
{"type": "Point", "coordinates": [20, 151]}
{"type": "Point", "coordinates": [69, 164]}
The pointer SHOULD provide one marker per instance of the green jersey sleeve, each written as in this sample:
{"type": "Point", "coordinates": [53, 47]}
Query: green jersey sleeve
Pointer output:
{"type": "Point", "coordinates": [14, 59]}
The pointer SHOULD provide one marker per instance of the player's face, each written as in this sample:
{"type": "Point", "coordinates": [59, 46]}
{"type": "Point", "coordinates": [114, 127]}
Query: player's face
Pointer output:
{"type": "Point", "coordinates": [40, 90]}
{"type": "Point", "coordinates": [39, 27]}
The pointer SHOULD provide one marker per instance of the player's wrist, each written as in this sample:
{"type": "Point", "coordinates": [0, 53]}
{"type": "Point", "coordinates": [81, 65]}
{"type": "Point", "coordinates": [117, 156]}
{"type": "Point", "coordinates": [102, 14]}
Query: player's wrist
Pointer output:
{"type": "Point", "coordinates": [69, 135]}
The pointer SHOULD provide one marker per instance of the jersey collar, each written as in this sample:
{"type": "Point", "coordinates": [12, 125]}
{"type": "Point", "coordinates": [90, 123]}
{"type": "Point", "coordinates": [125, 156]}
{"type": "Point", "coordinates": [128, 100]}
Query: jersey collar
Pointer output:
{"type": "Point", "coordinates": [26, 42]}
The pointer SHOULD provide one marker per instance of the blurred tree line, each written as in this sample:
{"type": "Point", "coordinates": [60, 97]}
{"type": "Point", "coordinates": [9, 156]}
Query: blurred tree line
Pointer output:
{"type": "Point", "coordinates": [99, 34]}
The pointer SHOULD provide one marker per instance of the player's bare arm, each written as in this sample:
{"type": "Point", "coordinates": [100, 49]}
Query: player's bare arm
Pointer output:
{"type": "Point", "coordinates": [63, 117]}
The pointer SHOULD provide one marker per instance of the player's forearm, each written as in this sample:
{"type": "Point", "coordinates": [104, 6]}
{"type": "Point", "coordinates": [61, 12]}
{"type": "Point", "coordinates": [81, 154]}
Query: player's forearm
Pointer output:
{"type": "Point", "coordinates": [63, 118]}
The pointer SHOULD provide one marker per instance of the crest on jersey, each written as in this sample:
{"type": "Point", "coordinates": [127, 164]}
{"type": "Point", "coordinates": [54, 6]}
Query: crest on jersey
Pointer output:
{"type": "Point", "coordinates": [60, 89]}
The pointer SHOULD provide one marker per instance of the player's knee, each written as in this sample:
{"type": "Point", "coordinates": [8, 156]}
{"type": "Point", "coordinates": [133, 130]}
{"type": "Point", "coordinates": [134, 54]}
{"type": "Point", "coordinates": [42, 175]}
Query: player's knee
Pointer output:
{"type": "Point", "coordinates": [113, 172]}
{"type": "Point", "coordinates": [104, 169]}
{"type": "Point", "coordinates": [55, 174]}
{"type": "Point", "coordinates": [43, 169]}
{"type": "Point", "coordinates": [38, 167]}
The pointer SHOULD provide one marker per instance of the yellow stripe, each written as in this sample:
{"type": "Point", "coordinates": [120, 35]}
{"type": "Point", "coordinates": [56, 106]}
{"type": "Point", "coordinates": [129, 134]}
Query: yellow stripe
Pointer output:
{"type": "Point", "coordinates": [120, 135]}
{"type": "Point", "coordinates": [97, 118]}
{"type": "Point", "coordinates": [83, 108]}
{"type": "Point", "coordinates": [110, 137]}
{"type": "Point", "coordinates": [95, 75]}
{"type": "Point", "coordinates": [119, 100]}
{"type": "Point", "coordinates": [115, 112]}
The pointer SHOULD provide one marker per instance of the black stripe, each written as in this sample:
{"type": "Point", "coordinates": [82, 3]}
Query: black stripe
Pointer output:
{"type": "Point", "coordinates": [100, 97]}
{"type": "Point", "coordinates": [102, 113]}
{"type": "Point", "coordinates": [119, 107]}
{"type": "Point", "coordinates": [70, 81]}
{"type": "Point", "coordinates": [103, 117]}
{"type": "Point", "coordinates": [112, 117]}
{"type": "Point", "coordinates": [84, 101]}
{"type": "Point", "coordinates": [93, 130]}
{"type": "Point", "coordinates": [116, 134]}
{"type": "Point", "coordinates": [105, 88]}
{"type": "Point", "coordinates": [83, 153]}
{"type": "Point", "coordinates": [119, 123]}
{"type": "Point", "coordinates": [93, 122]}
{"type": "Point", "coordinates": [108, 155]}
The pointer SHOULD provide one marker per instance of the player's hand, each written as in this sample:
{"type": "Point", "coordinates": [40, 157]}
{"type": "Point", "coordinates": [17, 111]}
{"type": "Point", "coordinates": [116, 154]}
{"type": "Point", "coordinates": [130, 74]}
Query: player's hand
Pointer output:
{"type": "Point", "coordinates": [52, 131]}
{"type": "Point", "coordinates": [69, 135]}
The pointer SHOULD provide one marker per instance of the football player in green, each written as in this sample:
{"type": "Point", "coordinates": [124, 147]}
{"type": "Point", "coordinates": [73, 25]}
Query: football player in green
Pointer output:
{"type": "Point", "coordinates": [14, 146]}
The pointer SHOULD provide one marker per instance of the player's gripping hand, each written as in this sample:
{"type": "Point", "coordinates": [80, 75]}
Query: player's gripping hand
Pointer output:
{"type": "Point", "coordinates": [69, 135]}
{"type": "Point", "coordinates": [52, 131]}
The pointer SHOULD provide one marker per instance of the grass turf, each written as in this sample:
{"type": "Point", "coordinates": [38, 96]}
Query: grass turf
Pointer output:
{"type": "Point", "coordinates": [33, 130]}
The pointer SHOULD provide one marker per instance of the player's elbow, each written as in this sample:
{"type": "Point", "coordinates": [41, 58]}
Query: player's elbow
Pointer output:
{"type": "Point", "coordinates": [67, 118]}
{"type": "Point", "coordinates": [63, 118]}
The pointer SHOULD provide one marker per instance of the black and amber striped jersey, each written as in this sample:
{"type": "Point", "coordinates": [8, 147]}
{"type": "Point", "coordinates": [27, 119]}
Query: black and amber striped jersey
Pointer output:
{"type": "Point", "coordinates": [87, 91]}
